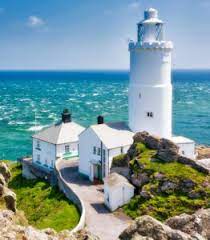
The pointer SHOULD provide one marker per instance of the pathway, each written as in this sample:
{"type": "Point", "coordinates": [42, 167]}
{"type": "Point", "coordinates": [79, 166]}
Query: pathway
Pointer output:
{"type": "Point", "coordinates": [99, 221]}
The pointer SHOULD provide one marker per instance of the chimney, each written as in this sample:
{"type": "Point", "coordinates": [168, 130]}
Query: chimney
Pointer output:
{"type": "Point", "coordinates": [100, 119]}
{"type": "Point", "coordinates": [66, 116]}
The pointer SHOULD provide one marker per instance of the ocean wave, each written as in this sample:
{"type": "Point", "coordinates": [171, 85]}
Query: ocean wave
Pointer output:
{"type": "Point", "coordinates": [36, 128]}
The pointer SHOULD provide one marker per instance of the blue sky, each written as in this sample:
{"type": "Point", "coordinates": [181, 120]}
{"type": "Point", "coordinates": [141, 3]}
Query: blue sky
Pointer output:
{"type": "Point", "coordinates": [93, 34]}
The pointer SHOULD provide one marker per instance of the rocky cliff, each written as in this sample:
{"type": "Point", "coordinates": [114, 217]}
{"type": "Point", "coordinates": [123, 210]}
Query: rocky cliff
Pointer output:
{"type": "Point", "coordinates": [167, 184]}
{"type": "Point", "coordinates": [183, 227]}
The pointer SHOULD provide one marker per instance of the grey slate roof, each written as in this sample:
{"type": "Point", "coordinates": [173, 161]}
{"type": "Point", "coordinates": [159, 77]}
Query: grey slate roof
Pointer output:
{"type": "Point", "coordinates": [114, 135]}
{"type": "Point", "coordinates": [60, 133]}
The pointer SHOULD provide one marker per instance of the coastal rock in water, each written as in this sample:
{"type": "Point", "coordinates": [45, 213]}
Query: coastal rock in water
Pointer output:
{"type": "Point", "coordinates": [10, 199]}
{"type": "Point", "coordinates": [203, 152]}
{"type": "Point", "coordinates": [4, 170]}
{"type": "Point", "coordinates": [197, 223]}
{"type": "Point", "coordinates": [149, 227]}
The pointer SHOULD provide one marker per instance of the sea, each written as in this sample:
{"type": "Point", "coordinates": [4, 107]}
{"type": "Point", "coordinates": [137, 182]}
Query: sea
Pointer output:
{"type": "Point", "coordinates": [33, 100]}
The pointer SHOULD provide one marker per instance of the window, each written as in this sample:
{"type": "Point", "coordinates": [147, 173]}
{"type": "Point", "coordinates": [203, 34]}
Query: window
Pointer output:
{"type": "Point", "coordinates": [94, 150]}
{"type": "Point", "coordinates": [99, 152]}
{"type": "Point", "coordinates": [183, 153]}
{"type": "Point", "coordinates": [38, 158]}
{"type": "Point", "coordinates": [104, 155]}
{"type": "Point", "coordinates": [150, 114]}
{"type": "Point", "coordinates": [67, 149]}
{"type": "Point", "coordinates": [38, 144]}
{"type": "Point", "coordinates": [45, 162]}
{"type": "Point", "coordinates": [139, 95]}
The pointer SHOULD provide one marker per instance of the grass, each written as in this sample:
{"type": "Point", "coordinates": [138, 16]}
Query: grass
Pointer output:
{"type": "Point", "coordinates": [165, 205]}
{"type": "Point", "coordinates": [44, 206]}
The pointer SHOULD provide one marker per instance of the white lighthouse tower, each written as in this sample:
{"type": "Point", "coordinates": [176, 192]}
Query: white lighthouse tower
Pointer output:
{"type": "Point", "coordinates": [150, 88]}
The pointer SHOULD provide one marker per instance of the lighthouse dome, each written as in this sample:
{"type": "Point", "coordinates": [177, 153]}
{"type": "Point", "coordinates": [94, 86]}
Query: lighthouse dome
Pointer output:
{"type": "Point", "coordinates": [150, 13]}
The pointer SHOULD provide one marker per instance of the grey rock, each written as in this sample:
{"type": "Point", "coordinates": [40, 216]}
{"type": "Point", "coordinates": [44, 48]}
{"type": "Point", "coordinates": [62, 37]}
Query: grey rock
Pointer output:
{"type": "Point", "coordinates": [196, 225]}
{"type": "Point", "coordinates": [140, 179]}
{"type": "Point", "coordinates": [4, 170]}
{"type": "Point", "coordinates": [2, 180]}
{"type": "Point", "coordinates": [168, 186]}
{"type": "Point", "coordinates": [149, 227]}
{"type": "Point", "coordinates": [10, 199]}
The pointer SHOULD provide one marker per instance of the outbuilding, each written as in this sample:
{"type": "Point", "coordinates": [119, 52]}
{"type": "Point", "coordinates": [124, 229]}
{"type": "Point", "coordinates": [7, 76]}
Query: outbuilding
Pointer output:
{"type": "Point", "coordinates": [117, 191]}
{"type": "Point", "coordinates": [58, 141]}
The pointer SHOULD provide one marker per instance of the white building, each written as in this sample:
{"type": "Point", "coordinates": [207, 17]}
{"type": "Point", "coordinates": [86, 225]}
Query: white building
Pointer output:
{"type": "Point", "coordinates": [57, 141]}
{"type": "Point", "coordinates": [117, 191]}
{"type": "Point", "coordinates": [150, 88]}
{"type": "Point", "coordinates": [98, 144]}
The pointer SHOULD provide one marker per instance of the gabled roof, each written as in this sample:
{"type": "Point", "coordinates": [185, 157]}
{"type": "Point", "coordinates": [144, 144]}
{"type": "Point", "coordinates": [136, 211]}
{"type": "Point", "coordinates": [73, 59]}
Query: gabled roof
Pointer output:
{"type": "Point", "coordinates": [60, 133]}
{"type": "Point", "coordinates": [115, 179]}
{"type": "Point", "coordinates": [113, 135]}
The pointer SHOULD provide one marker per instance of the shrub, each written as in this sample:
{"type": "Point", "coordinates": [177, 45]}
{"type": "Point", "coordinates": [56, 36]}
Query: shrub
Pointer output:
{"type": "Point", "coordinates": [120, 161]}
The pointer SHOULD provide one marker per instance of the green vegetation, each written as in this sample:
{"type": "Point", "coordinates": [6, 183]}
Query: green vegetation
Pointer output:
{"type": "Point", "coordinates": [120, 161]}
{"type": "Point", "coordinates": [44, 206]}
{"type": "Point", "coordinates": [163, 204]}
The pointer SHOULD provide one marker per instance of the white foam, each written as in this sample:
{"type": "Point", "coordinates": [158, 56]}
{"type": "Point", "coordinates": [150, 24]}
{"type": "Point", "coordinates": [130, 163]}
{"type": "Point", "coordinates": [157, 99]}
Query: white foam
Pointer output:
{"type": "Point", "coordinates": [37, 128]}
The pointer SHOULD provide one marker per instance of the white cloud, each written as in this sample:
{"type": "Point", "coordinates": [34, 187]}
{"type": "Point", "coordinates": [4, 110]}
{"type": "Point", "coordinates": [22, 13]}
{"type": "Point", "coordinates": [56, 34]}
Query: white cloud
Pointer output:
{"type": "Point", "coordinates": [34, 21]}
{"type": "Point", "coordinates": [134, 5]}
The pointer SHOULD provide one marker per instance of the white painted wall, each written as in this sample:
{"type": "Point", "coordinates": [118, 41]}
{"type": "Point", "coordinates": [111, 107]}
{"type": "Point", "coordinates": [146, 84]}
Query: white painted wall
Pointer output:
{"type": "Point", "coordinates": [117, 196]}
{"type": "Point", "coordinates": [47, 153]}
{"type": "Point", "coordinates": [60, 149]}
{"type": "Point", "coordinates": [87, 140]}
{"type": "Point", "coordinates": [150, 90]}
{"type": "Point", "coordinates": [187, 150]}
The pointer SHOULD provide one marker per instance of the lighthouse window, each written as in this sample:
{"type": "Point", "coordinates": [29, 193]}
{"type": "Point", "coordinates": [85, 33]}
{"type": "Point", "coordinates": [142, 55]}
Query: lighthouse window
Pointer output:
{"type": "Point", "coordinates": [150, 114]}
{"type": "Point", "coordinates": [139, 95]}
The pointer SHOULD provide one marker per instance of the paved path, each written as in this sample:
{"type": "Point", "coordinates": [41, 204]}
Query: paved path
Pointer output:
{"type": "Point", "coordinates": [106, 225]}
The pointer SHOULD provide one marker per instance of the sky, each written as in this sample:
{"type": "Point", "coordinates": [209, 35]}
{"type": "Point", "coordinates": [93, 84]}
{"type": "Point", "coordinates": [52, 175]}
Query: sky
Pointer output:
{"type": "Point", "coordinates": [94, 34]}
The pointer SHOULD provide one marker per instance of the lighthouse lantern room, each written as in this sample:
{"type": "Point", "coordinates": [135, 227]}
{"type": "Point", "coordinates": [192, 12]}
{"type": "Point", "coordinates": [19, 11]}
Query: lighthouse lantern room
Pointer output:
{"type": "Point", "coordinates": [150, 88]}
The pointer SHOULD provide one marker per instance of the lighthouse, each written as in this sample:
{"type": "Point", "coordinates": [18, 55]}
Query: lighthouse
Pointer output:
{"type": "Point", "coordinates": [150, 88]}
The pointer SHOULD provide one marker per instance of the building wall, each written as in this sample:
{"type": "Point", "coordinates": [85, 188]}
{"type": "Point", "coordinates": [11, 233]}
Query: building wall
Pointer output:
{"type": "Point", "coordinates": [47, 153]}
{"type": "Point", "coordinates": [117, 196]}
{"type": "Point", "coordinates": [187, 149]}
{"type": "Point", "coordinates": [150, 90]}
{"type": "Point", "coordinates": [87, 140]}
{"type": "Point", "coordinates": [60, 149]}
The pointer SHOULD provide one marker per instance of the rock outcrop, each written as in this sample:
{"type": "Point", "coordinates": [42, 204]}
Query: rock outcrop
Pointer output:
{"type": "Point", "coordinates": [147, 227]}
{"type": "Point", "coordinates": [4, 170]}
{"type": "Point", "coordinates": [183, 227]}
{"type": "Point", "coordinates": [10, 199]}
{"type": "Point", "coordinates": [197, 223]}
{"type": "Point", "coordinates": [8, 195]}
{"type": "Point", "coordinates": [11, 231]}
{"type": "Point", "coordinates": [203, 152]}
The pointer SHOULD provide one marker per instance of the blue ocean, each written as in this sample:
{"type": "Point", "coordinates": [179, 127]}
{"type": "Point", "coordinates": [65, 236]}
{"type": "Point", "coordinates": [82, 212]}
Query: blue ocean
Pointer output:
{"type": "Point", "coordinates": [32, 100]}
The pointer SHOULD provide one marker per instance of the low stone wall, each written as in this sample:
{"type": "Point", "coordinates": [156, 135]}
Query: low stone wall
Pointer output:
{"type": "Point", "coordinates": [72, 196]}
